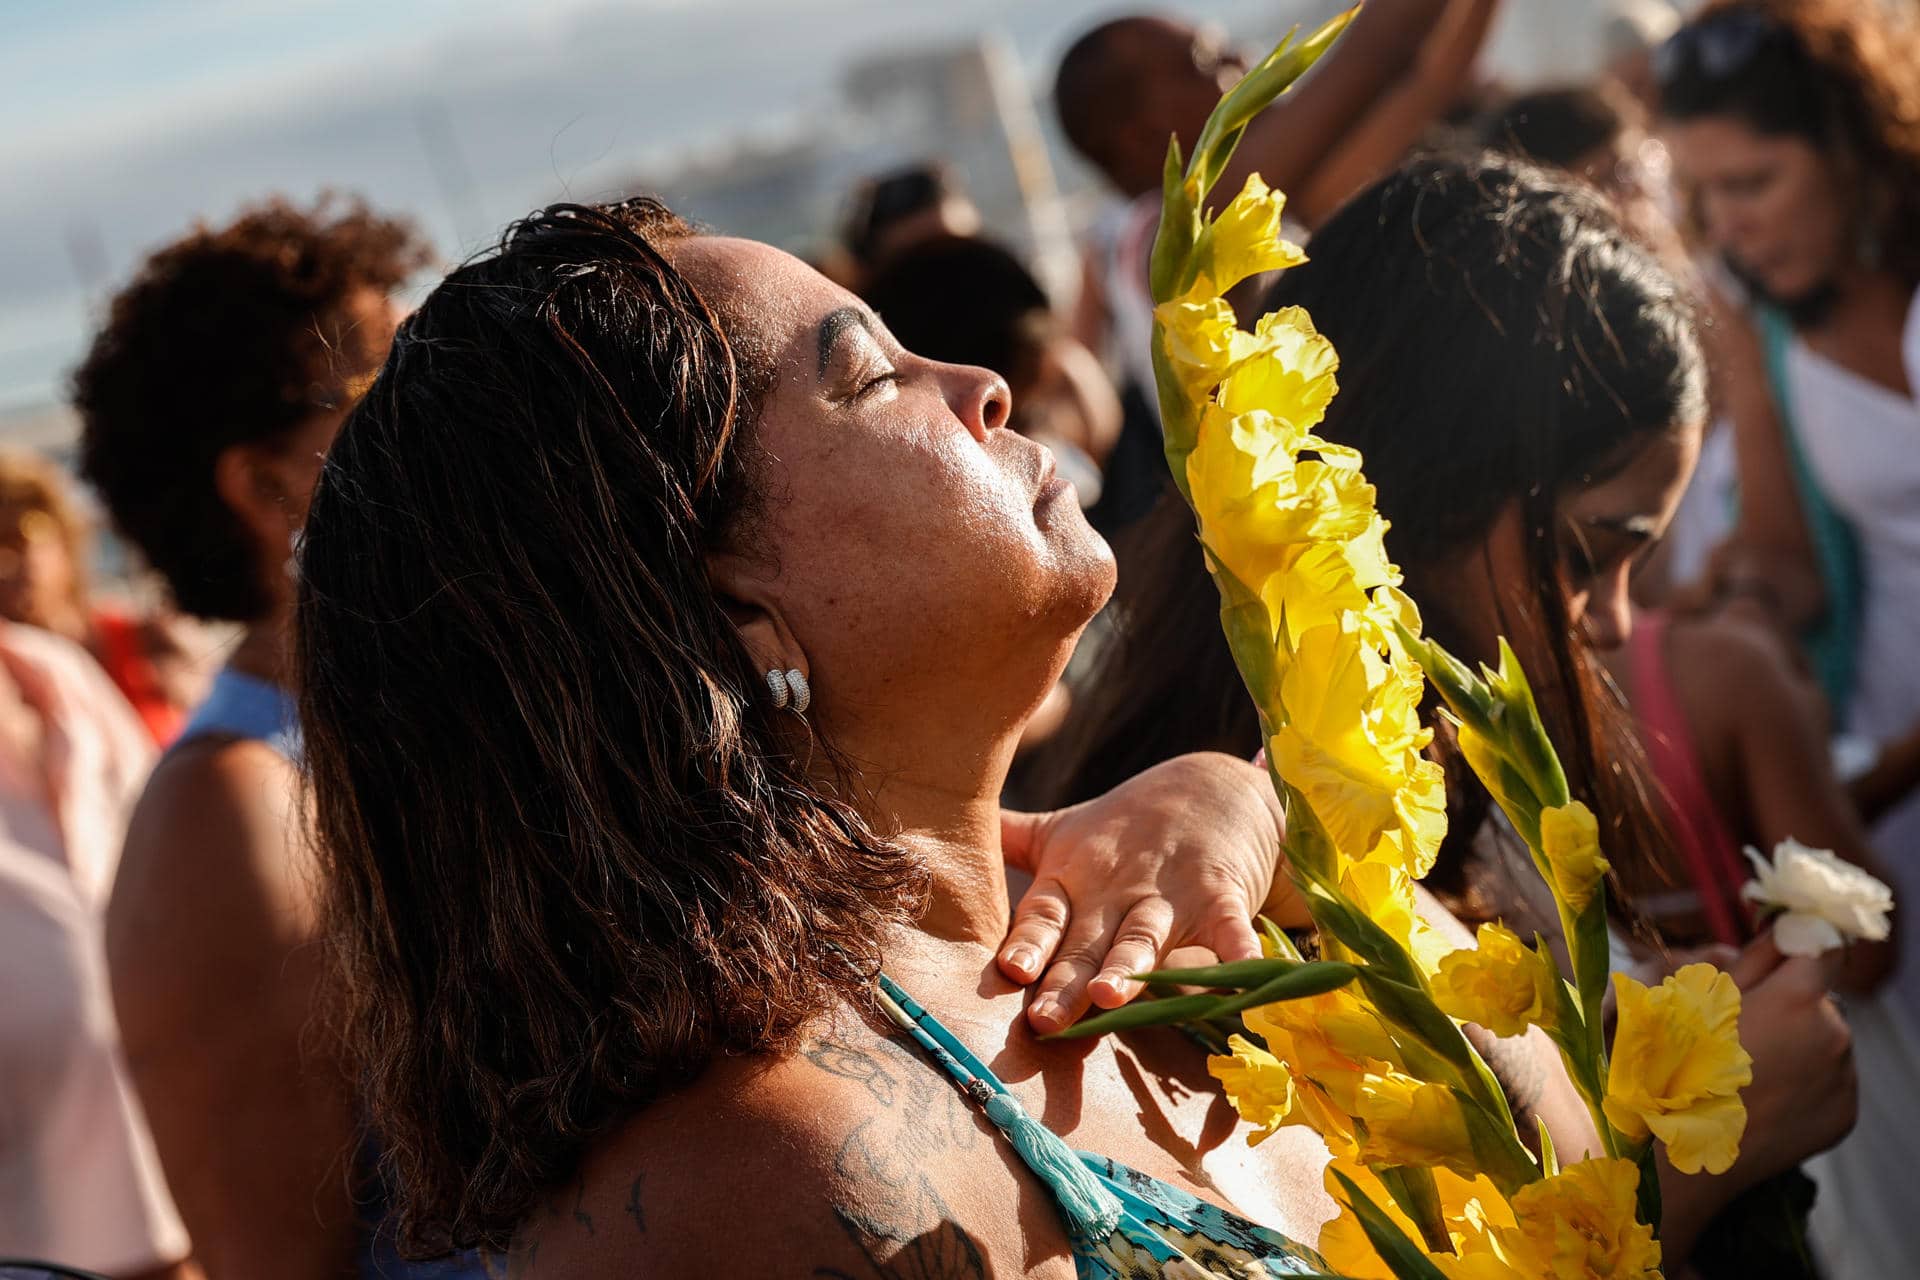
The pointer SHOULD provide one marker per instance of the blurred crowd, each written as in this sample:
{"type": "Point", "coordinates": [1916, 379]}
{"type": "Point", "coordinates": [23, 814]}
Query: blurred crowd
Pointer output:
{"type": "Point", "coordinates": [1634, 365]}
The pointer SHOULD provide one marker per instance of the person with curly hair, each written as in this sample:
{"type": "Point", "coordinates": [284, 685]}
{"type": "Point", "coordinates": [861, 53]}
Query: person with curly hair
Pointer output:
{"type": "Point", "coordinates": [207, 401]}
{"type": "Point", "coordinates": [1794, 127]}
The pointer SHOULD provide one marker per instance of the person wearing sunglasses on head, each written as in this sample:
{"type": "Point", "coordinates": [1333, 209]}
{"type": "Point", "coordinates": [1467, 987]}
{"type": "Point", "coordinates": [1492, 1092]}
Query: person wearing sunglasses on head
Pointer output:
{"type": "Point", "coordinates": [1795, 136]}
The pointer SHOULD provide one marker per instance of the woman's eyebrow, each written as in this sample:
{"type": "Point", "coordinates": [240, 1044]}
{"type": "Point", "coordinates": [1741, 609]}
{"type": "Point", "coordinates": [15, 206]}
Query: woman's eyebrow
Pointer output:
{"type": "Point", "coordinates": [837, 322]}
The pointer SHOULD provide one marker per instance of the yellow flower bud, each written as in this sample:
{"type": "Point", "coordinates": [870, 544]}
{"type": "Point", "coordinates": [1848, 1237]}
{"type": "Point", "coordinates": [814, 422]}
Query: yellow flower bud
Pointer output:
{"type": "Point", "coordinates": [1413, 1122]}
{"type": "Point", "coordinates": [1503, 984]}
{"type": "Point", "coordinates": [1570, 839]}
{"type": "Point", "coordinates": [1678, 1067]}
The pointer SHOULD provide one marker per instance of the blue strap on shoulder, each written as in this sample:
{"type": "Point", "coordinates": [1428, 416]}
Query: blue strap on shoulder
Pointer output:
{"type": "Point", "coordinates": [1832, 642]}
{"type": "Point", "coordinates": [1091, 1210]}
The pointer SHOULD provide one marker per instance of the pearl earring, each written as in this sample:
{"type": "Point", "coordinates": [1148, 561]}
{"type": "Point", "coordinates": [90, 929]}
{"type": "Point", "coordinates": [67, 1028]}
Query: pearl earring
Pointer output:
{"type": "Point", "coordinates": [777, 684]}
{"type": "Point", "coordinates": [802, 691]}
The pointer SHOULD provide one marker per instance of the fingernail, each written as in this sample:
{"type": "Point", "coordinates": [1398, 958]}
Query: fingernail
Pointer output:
{"type": "Point", "coordinates": [1046, 1009]}
{"type": "Point", "coordinates": [1023, 959]}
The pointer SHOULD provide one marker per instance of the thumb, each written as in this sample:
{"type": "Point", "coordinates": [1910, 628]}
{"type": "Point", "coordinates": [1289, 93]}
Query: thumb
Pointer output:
{"type": "Point", "coordinates": [1760, 958]}
{"type": "Point", "coordinates": [1020, 837]}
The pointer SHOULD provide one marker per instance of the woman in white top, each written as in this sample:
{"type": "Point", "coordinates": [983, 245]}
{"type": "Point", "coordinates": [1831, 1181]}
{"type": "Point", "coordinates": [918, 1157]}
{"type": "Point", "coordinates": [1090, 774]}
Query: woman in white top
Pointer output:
{"type": "Point", "coordinates": [79, 1183]}
{"type": "Point", "coordinates": [1794, 127]}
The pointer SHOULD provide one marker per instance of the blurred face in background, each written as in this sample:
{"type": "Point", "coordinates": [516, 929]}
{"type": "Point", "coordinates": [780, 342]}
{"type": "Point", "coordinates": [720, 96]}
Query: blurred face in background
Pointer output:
{"type": "Point", "coordinates": [1773, 205]}
{"type": "Point", "coordinates": [39, 579]}
{"type": "Point", "coordinates": [1182, 70]}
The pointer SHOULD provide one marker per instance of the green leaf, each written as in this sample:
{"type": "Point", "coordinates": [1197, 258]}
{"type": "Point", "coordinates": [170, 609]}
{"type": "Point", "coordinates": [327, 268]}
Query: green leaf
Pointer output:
{"type": "Point", "coordinates": [1310, 850]}
{"type": "Point", "coordinates": [1407, 1259]}
{"type": "Point", "coordinates": [1141, 1013]}
{"type": "Point", "coordinates": [1273, 76]}
{"type": "Point", "coordinates": [1418, 1196]}
{"type": "Point", "coordinates": [1497, 1150]}
{"type": "Point", "coordinates": [1648, 1206]}
{"type": "Point", "coordinates": [1179, 230]}
{"type": "Point", "coordinates": [1316, 978]}
{"type": "Point", "coordinates": [1239, 974]}
{"type": "Point", "coordinates": [1549, 1158]}
{"type": "Point", "coordinates": [1249, 631]}
{"type": "Point", "coordinates": [1277, 940]}
{"type": "Point", "coordinates": [1299, 980]}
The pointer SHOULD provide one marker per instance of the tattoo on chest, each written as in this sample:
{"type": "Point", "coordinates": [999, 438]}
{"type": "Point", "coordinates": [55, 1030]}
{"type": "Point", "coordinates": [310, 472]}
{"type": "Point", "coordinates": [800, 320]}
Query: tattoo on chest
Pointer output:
{"type": "Point", "coordinates": [634, 1209]}
{"type": "Point", "coordinates": [933, 1114]}
{"type": "Point", "coordinates": [901, 1226]}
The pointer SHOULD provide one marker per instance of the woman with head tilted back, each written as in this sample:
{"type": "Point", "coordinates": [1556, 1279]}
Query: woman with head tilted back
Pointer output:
{"type": "Point", "coordinates": [615, 906]}
{"type": "Point", "coordinates": [1524, 384]}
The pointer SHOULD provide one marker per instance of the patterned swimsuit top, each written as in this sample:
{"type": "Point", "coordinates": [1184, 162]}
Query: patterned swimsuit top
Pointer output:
{"type": "Point", "coordinates": [1123, 1225]}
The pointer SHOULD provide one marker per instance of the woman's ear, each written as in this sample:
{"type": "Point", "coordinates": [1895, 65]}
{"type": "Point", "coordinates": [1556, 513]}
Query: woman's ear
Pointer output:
{"type": "Point", "coordinates": [747, 590]}
{"type": "Point", "coordinates": [248, 482]}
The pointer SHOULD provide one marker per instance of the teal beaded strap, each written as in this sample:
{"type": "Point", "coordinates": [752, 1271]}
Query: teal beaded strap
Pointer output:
{"type": "Point", "coordinates": [1090, 1209]}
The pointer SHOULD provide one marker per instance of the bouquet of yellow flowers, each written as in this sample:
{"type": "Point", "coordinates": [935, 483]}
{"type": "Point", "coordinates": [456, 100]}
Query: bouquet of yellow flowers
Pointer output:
{"type": "Point", "coordinates": [1365, 1044]}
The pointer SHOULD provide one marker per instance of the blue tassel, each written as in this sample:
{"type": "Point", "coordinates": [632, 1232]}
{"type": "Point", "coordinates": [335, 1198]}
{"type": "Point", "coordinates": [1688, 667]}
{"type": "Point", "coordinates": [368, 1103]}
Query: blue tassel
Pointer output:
{"type": "Point", "coordinates": [1091, 1211]}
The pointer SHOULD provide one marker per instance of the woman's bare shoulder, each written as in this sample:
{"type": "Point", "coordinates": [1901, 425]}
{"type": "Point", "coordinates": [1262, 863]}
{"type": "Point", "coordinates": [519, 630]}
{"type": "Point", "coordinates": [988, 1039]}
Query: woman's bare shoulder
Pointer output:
{"type": "Point", "coordinates": [853, 1157]}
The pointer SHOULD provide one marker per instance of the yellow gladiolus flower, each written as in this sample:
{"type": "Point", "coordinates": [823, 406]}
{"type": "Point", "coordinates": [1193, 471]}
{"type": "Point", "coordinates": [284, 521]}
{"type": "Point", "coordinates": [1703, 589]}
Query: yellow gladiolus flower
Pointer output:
{"type": "Point", "coordinates": [1204, 342]}
{"type": "Point", "coordinates": [1384, 895]}
{"type": "Point", "coordinates": [1244, 240]}
{"type": "Point", "coordinates": [1329, 1043]}
{"type": "Point", "coordinates": [1257, 1083]}
{"type": "Point", "coordinates": [1678, 1067]}
{"type": "Point", "coordinates": [1581, 1224]}
{"type": "Point", "coordinates": [1290, 377]}
{"type": "Point", "coordinates": [1470, 1209]}
{"type": "Point", "coordinates": [1303, 535]}
{"type": "Point", "coordinates": [1504, 985]}
{"type": "Point", "coordinates": [1570, 839]}
{"type": "Point", "coordinates": [1413, 1122]}
{"type": "Point", "coordinates": [1350, 739]}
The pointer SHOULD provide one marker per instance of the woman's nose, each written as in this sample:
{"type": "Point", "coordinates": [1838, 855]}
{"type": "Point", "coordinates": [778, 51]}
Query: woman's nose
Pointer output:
{"type": "Point", "coordinates": [980, 399]}
{"type": "Point", "coordinates": [1610, 612]}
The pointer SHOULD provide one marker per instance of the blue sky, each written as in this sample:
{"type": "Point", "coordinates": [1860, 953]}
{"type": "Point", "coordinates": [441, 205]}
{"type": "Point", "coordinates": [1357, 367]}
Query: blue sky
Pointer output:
{"type": "Point", "coordinates": [123, 120]}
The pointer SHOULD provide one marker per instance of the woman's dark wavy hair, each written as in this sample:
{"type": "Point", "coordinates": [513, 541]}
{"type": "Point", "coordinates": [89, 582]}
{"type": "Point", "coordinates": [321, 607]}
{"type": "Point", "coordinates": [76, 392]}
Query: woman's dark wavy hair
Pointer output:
{"type": "Point", "coordinates": [568, 861]}
{"type": "Point", "coordinates": [240, 334]}
{"type": "Point", "coordinates": [1501, 341]}
{"type": "Point", "coordinates": [1844, 75]}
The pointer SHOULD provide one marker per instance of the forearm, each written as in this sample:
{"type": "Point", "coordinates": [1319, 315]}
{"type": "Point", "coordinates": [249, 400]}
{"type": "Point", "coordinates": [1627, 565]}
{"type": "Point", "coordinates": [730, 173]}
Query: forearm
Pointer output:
{"type": "Point", "coordinates": [1893, 777]}
{"type": "Point", "coordinates": [1402, 116]}
{"type": "Point", "coordinates": [1288, 142]}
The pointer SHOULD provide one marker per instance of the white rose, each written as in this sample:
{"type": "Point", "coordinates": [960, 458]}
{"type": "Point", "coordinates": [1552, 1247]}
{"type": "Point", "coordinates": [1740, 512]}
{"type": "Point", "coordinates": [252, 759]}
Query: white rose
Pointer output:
{"type": "Point", "coordinates": [1823, 900]}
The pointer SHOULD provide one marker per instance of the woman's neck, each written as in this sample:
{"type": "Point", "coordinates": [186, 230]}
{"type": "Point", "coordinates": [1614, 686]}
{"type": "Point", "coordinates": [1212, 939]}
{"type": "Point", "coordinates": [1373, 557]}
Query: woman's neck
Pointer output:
{"type": "Point", "coordinates": [955, 830]}
{"type": "Point", "coordinates": [265, 651]}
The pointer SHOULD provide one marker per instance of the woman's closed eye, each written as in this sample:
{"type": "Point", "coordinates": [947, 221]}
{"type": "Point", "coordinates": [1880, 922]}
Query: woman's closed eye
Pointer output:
{"type": "Point", "coordinates": [874, 382]}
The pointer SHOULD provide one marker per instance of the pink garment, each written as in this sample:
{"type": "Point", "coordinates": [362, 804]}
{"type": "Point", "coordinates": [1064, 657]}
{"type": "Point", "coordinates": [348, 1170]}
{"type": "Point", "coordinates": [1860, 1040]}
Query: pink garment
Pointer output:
{"type": "Point", "coordinates": [1707, 848]}
{"type": "Point", "coordinates": [79, 1181]}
